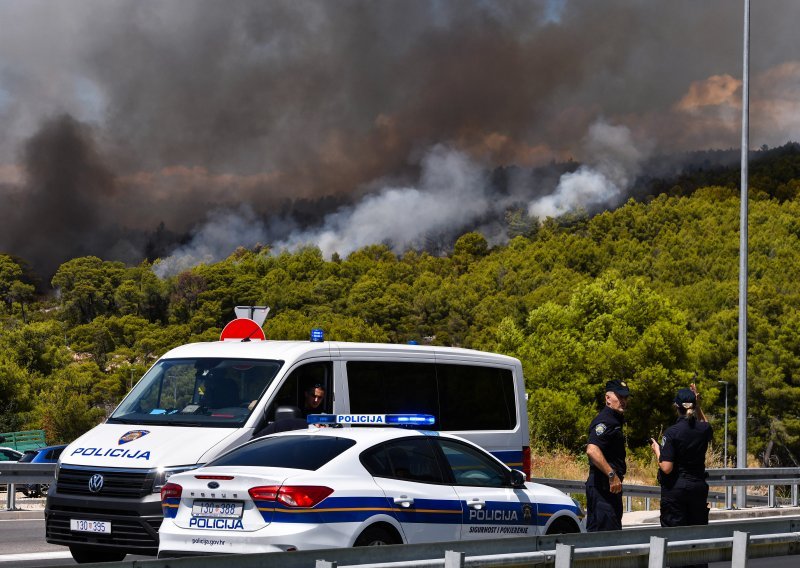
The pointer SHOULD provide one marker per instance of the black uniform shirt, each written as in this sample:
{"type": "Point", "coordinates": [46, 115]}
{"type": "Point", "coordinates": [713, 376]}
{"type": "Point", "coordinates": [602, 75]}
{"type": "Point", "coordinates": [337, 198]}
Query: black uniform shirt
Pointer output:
{"type": "Point", "coordinates": [605, 432]}
{"type": "Point", "coordinates": [685, 444]}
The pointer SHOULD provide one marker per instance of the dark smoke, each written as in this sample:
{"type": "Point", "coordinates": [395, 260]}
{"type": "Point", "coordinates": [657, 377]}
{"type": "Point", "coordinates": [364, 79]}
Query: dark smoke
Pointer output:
{"type": "Point", "coordinates": [60, 211]}
{"type": "Point", "coordinates": [186, 112]}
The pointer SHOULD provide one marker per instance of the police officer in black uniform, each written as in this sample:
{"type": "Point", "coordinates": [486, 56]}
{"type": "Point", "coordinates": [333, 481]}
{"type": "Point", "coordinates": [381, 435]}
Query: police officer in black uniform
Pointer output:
{"type": "Point", "coordinates": [682, 464]}
{"type": "Point", "coordinates": [606, 451]}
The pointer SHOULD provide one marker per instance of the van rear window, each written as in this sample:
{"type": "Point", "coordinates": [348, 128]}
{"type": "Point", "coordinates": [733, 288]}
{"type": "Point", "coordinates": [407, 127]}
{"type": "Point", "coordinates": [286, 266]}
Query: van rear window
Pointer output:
{"type": "Point", "coordinates": [461, 397]}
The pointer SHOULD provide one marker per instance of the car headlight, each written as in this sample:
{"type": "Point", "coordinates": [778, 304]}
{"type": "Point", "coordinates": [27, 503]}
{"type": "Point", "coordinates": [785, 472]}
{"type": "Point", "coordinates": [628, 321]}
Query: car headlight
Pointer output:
{"type": "Point", "coordinates": [164, 473]}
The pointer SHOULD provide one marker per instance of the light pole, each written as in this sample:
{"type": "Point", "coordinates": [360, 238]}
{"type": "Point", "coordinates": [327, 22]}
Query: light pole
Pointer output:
{"type": "Point", "coordinates": [741, 394]}
{"type": "Point", "coordinates": [725, 447]}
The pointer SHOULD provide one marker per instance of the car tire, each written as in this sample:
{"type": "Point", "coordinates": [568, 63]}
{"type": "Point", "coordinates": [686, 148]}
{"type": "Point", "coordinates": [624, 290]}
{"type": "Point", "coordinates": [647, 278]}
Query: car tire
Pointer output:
{"type": "Point", "coordinates": [564, 525]}
{"type": "Point", "coordinates": [376, 536]}
{"type": "Point", "coordinates": [86, 555]}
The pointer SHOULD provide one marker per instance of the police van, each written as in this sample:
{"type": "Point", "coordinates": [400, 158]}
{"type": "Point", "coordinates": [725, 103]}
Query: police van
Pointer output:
{"type": "Point", "coordinates": [203, 399]}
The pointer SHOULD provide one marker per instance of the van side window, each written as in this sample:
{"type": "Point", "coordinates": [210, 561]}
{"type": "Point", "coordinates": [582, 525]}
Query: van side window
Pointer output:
{"type": "Point", "coordinates": [476, 398]}
{"type": "Point", "coordinates": [383, 387]}
{"type": "Point", "coordinates": [461, 397]}
{"type": "Point", "coordinates": [291, 392]}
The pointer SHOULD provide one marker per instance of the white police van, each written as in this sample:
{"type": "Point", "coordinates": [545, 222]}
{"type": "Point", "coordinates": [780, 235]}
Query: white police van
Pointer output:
{"type": "Point", "coordinates": [200, 400]}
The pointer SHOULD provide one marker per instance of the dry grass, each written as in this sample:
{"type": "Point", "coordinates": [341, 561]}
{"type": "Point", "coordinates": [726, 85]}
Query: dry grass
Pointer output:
{"type": "Point", "coordinates": [642, 468]}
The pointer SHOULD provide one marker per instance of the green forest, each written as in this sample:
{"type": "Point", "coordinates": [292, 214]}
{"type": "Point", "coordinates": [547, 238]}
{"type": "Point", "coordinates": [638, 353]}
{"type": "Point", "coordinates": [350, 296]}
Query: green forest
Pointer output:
{"type": "Point", "coordinates": [647, 293]}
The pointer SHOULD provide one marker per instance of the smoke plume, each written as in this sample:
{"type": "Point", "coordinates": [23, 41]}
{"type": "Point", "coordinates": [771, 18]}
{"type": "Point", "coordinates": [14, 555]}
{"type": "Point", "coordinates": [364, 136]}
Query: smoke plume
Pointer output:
{"type": "Point", "coordinates": [178, 111]}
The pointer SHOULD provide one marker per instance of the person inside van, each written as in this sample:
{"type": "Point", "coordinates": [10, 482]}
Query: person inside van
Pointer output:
{"type": "Point", "coordinates": [313, 397]}
{"type": "Point", "coordinates": [220, 392]}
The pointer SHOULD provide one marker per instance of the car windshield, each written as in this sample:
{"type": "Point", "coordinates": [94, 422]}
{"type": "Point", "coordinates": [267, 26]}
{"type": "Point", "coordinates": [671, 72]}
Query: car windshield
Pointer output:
{"type": "Point", "coordinates": [296, 452]}
{"type": "Point", "coordinates": [27, 456]}
{"type": "Point", "coordinates": [197, 392]}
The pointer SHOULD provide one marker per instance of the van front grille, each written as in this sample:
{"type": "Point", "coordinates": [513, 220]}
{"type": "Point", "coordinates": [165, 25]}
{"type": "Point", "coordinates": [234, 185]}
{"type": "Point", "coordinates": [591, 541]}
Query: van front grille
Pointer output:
{"type": "Point", "coordinates": [127, 484]}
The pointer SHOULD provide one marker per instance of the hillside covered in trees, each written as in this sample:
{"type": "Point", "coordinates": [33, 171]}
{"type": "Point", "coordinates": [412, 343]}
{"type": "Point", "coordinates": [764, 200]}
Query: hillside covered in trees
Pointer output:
{"type": "Point", "coordinates": [647, 293]}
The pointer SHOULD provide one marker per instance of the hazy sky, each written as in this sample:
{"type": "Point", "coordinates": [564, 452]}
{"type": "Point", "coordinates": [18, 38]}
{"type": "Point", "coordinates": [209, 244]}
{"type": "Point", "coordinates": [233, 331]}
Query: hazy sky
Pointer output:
{"type": "Point", "coordinates": [117, 115]}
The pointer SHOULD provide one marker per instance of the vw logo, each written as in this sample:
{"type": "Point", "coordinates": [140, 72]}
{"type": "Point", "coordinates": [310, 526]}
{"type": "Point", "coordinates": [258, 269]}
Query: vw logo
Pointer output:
{"type": "Point", "coordinates": [213, 485]}
{"type": "Point", "coordinates": [95, 483]}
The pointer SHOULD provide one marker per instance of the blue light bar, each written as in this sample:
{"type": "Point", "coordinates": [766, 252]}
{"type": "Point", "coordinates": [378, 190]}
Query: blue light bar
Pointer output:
{"type": "Point", "coordinates": [317, 335]}
{"type": "Point", "coordinates": [410, 419]}
{"type": "Point", "coordinates": [373, 419]}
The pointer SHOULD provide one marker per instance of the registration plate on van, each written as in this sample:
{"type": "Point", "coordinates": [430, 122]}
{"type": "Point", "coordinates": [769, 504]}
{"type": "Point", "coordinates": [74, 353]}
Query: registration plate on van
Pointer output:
{"type": "Point", "coordinates": [217, 509]}
{"type": "Point", "coordinates": [79, 525]}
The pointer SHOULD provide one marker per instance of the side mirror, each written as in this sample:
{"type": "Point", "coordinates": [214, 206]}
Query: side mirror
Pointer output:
{"type": "Point", "coordinates": [517, 478]}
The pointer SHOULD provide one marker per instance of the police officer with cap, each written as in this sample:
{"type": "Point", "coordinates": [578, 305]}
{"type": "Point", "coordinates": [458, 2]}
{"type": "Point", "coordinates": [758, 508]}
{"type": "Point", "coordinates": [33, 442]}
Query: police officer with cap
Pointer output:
{"type": "Point", "coordinates": [606, 451]}
{"type": "Point", "coordinates": [681, 461]}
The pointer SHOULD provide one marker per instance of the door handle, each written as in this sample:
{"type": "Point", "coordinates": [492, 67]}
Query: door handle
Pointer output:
{"type": "Point", "coordinates": [476, 503]}
{"type": "Point", "coordinates": [404, 501]}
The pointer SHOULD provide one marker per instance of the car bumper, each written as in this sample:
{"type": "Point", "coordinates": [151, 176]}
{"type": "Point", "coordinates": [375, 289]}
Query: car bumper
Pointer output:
{"type": "Point", "coordinates": [134, 523]}
{"type": "Point", "coordinates": [275, 537]}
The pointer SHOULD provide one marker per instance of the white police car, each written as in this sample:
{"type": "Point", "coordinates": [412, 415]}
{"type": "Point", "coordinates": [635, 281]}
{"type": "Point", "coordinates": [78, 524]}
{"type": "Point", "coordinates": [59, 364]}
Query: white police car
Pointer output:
{"type": "Point", "coordinates": [334, 487]}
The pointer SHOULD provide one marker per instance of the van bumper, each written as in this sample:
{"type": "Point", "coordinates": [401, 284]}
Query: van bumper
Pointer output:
{"type": "Point", "coordinates": [134, 523]}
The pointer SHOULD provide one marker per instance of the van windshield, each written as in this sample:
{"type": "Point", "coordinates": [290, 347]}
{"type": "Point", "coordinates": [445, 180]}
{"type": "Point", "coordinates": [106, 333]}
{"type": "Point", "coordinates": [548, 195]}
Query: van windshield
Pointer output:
{"type": "Point", "coordinates": [197, 392]}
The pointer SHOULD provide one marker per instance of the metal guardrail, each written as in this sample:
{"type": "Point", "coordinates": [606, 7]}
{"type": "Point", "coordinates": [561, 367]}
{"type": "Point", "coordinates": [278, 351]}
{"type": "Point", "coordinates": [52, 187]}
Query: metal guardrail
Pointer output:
{"type": "Point", "coordinates": [13, 474]}
{"type": "Point", "coordinates": [717, 477]}
{"type": "Point", "coordinates": [18, 473]}
{"type": "Point", "coordinates": [646, 546]}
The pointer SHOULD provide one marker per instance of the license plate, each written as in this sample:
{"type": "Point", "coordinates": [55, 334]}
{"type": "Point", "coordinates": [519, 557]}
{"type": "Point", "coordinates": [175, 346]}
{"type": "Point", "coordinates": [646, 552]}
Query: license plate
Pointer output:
{"type": "Point", "coordinates": [90, 526]}
{"type": "Point", "coordinates": [218, 509]}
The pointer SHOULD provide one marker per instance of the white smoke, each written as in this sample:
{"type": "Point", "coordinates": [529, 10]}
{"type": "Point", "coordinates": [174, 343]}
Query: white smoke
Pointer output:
{"type": "Point", "coordinates": [220, 235]}
{"type": "Point", "coordinates": [613, 162]}
{"type": "Point", "coordinates": [451, 193]}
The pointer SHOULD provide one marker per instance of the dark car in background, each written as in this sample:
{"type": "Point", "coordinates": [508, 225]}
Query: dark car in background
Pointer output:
{"type": "Point", "coordinates": [9, 455]}
{"type": "Point", "coordinates": [48, 454]}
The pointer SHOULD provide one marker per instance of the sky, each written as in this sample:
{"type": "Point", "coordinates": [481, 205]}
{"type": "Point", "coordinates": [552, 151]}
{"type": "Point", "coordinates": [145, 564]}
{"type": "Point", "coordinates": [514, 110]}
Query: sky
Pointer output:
{"type": "Point", "coordinates": [129, 123]}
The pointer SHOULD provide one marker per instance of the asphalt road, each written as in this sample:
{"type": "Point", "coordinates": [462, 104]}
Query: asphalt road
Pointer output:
{"type": "Point", "coordinates": [22, 544]}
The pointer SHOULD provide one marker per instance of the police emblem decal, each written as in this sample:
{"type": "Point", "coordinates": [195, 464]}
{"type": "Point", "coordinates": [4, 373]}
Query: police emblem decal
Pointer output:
{"type": "Point", "coordinates": [132, 435]}
{"type": "Point", "coordinates": [600, 428]}
{"type": "Point", "coordinates": [95, 483]}
{"type": "Point", "coordinates": [526, 512]}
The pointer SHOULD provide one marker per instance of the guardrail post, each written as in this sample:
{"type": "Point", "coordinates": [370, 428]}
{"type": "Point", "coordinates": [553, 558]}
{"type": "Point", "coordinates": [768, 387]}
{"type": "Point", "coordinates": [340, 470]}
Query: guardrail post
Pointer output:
{"type": "Point", "coordinates": [647, 503]}
{"type": "Point", "coordinates": [11, 497]}
{"type": "Point", "coordinates": [729, 497]}
{"type": "Point", "coordinates": [739, 552]}
{"type": "Point", "coordinates": [325, 564]}
{"type": "Point", "coordinates": [564, 554]}
{"type": "Point", "coordinates": [629, 503]}
{"type": "Point", "coordinates": [794, 496]}
{"type": "Point", "coordinates": [453, 559]}
{"type": "Point", "coordinates": [771, 500]}
{"type": "Point", "coordinates": [658, 552]}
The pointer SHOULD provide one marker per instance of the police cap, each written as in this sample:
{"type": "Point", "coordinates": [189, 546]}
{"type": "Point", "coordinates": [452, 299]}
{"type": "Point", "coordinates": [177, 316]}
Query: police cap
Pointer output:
{"type": "Point", "coordinates": [685, 397]}
{"type": "Point", "coordinates": [618, 387]}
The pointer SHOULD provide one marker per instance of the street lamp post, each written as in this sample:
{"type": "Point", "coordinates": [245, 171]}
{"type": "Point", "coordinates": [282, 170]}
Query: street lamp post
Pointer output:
{"type": "Point", "coordinates": [725, 447]}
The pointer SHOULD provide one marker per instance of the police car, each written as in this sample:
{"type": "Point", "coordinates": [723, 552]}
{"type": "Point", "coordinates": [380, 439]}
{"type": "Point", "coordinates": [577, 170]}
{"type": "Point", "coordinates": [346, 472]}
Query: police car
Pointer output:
{"type": "Point", "coordinates": [354, 486]}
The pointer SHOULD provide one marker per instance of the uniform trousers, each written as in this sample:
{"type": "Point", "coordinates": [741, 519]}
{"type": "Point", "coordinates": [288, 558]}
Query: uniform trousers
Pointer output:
{"type": "Point", "coordinates": [604, 509]}
{"type": "Point", "coordinates": [684, 504]}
